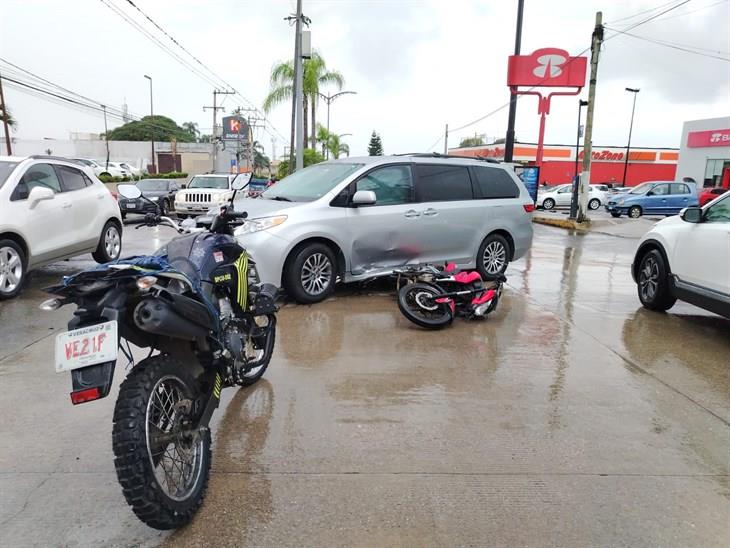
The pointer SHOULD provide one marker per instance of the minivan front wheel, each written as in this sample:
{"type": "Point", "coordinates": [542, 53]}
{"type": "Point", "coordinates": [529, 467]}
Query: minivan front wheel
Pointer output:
{"type": "Point", "coordinates": [311, 273]}
{"type": "Point", "coordinates": [493, 256]}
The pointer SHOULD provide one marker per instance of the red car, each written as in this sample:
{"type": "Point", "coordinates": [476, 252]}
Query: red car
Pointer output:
{"type": "Point", "coordinates": [709, 194]}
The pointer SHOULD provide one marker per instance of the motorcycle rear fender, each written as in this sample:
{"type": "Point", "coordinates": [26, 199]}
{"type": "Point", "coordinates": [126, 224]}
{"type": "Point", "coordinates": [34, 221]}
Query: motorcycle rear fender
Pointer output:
{"type": "Point", "coordinates": [99, 376]}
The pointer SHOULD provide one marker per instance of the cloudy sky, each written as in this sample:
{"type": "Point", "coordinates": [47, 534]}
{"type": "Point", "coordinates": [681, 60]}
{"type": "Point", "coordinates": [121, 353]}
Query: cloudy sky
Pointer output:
{"type": "Point", "coordinates": [415, 64]}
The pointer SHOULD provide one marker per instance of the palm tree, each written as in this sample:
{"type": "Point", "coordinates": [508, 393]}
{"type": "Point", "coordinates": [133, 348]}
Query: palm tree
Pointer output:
{"type": "Point", "coordinates": [323, 137]}
{"type": "Point", "coordinates": [191, 128]}
{"type": "Point", "coordinates": [336, 147]}
{"type": "Point", "coordinates": [282, 87]}
{"type": "Point", "coordinates": [8, 116]}
{"type": "Point", "coordinates": [260, 160]}
{"type": "Point", "coordinates": [316, 74]}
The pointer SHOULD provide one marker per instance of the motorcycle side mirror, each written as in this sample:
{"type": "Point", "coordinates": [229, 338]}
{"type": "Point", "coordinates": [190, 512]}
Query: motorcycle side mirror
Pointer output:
{"type": "Point", "coordinates": [130, 192]}
{"type": "Point", "coordinates": [241, 181]}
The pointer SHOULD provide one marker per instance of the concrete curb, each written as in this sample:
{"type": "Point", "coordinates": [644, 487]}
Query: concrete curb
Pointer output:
{"type": "Point", "coordinates": [563, 223]}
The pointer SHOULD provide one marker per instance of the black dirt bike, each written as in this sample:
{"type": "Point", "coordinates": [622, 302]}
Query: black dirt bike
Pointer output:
{"type": "Point", "coordinates": [433, 295]}
{"type": "Point", "coordinates": [208, 323]}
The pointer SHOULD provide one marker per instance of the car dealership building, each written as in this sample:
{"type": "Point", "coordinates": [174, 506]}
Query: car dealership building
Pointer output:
{"type": "Point", "coordinates": [704, 155]}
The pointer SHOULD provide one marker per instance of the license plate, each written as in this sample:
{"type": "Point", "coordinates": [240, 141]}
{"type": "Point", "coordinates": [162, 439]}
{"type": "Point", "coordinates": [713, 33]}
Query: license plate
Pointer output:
{"type": "Point", "coordinates": [131, 206]}
{"type": "Point", "coordinates": [86, 346]}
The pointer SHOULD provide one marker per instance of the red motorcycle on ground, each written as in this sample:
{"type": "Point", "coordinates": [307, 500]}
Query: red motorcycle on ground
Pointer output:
{"type": "Point", "coordinates": [433, 295]}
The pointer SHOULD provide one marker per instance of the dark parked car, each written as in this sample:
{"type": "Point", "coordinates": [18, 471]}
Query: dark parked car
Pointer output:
{"type": "Point", "coordinates": [160, 191]}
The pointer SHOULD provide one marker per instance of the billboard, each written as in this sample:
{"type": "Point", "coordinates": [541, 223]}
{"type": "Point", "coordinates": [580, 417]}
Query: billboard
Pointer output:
{"type": "Point", "coordinates": [711, 138]}
{"type": "Point", "coordinates": [547, 67]}
{"type": "Point", "coordinates": [235, 128]}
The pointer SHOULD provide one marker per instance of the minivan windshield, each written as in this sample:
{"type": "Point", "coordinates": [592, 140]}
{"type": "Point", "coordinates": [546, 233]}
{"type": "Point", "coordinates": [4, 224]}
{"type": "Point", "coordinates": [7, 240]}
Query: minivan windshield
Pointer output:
{"type": "Point", "coordinates": [310, 183]}
{"type": "Point", "coordinates": [643, 188]}
{"type": "Point", "coordinates": [202, 181]}
{"type": "Point", "coordinates": [152, 184]}
{"type": "Point", "coordinates": [6, 168]}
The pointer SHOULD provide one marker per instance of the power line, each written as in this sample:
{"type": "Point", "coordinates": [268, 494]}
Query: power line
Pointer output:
{"type": "Point", "coordinates": [217, 77]}
{"type": "Point", "coordinates": [685, 13]}
{"type": "Point", "coordinates": [674, 46]}
{"type": "Point", "coordinates": [641, 12]}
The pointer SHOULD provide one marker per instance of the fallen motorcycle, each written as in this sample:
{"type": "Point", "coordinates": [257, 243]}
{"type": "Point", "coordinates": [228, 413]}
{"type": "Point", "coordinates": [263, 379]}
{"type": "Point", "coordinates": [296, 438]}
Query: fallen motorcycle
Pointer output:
{"type": "Point", "coordinates": [208, 323]}
{"type": "Point", "coordinates": [432, 295]}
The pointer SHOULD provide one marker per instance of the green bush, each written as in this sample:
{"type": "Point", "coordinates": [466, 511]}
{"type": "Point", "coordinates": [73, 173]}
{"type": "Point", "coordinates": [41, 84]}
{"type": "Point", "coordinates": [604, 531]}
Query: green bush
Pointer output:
{"type": "Point", "coordinates": [110, 179]}
{"type": "Point", "coordinates": [173, 175]}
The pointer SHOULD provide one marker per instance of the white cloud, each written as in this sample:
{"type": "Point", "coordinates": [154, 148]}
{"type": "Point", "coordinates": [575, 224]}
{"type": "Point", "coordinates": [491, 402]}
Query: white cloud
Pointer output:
{"type": "Point", "coordinates": [415, 64]}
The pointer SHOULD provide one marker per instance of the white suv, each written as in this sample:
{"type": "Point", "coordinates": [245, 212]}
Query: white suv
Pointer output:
{"type": "Point", "coordinates": [52, 209]}
{"type": "Point", "coordinates": [687, 257]}
{"type": "Point", "coordinates": [101, 168]}
{"type": "Point", "coordinates": [203, 193]}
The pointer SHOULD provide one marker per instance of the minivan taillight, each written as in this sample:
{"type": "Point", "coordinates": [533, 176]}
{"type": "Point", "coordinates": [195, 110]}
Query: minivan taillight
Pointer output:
{"type": "Point", "coordinates": [529, 208]}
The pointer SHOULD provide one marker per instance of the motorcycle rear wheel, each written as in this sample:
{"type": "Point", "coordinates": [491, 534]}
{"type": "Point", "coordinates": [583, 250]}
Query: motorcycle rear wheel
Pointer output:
{"type": "Point", "coordinates": [417, 303]}
{"type": "Point", "coordinates": [164, 481]}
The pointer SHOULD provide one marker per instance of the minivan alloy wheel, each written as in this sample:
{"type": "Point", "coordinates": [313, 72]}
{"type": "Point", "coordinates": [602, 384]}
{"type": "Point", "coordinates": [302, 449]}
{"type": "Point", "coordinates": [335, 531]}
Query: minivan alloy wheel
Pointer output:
{"type": "Point", "coordinates": [495, 257]}
{"type": "Point", "coordinates": [11, 269]}
{"type": "Point", "coordinates": [316, 273]}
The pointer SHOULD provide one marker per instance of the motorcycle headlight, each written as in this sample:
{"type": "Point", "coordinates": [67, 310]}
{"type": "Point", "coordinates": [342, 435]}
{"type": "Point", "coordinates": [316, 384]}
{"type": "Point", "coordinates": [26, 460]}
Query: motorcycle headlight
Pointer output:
{"type": "Point", "coordinates": [257, 225]}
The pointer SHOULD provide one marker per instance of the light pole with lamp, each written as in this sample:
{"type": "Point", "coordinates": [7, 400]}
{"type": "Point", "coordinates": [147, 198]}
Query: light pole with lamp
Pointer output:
{"type": "Point", "coordinates": [574, 199]}
{"type": "Point", "coordinates": [328, 99]}
{"type": "Point", "coordinates": [152, 127]}
{"type": "Point", "coordinates": [635, 91]}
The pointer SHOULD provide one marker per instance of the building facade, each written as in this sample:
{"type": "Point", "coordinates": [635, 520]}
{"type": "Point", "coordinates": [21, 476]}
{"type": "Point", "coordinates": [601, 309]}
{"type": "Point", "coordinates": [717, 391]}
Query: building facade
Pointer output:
{"type": "Point", "coordinates": [607, 166]}
{"type": "Point", "coordinates": [704, 153]}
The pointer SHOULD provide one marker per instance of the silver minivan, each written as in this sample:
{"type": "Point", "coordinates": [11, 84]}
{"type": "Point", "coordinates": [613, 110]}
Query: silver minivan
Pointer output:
{"type": "Point", "coordinates": [358, 218]}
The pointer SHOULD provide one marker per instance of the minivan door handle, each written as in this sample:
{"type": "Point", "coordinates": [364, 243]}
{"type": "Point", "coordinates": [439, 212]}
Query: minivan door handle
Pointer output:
{"type": "Point", "coordinates": [412, 213]}
{"type": "Point", "coordinates": [430, 212]}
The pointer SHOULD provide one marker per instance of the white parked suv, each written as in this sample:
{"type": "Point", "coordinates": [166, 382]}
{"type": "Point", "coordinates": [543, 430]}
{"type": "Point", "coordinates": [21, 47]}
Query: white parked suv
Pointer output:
{"type": "Point", "coordinates": [203, 193]}
{"type": "Point", "coordinates": [560, 196]}
{"type": "Point", "coordinates": [52, 209]}
{"type": "Point", "coordinates": [687, 257]}
{"type": "Point", "coordinates": [100, 168]}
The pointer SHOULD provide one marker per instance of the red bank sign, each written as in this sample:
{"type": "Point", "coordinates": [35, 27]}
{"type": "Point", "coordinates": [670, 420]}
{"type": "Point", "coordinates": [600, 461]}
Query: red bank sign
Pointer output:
{"type": "Point", "coordinates": [711, 138]}
{"type": "Point", "coordinates": [547, 67]}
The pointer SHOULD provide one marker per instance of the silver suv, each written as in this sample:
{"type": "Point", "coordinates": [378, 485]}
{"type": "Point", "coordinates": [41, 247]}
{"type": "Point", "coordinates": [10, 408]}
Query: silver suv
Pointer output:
{"type": "Point", "coordinates": [358, 218]}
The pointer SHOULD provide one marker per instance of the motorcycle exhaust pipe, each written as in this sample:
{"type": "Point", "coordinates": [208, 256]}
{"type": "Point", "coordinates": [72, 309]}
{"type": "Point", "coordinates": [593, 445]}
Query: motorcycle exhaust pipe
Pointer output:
{"type": "Point", "coordinates": [157, 317]}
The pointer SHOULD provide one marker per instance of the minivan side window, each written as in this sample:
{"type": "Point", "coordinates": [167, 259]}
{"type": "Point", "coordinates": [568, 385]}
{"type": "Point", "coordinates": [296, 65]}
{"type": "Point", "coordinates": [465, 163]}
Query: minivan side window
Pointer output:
{"type": "Point", "coordinates": [392, 184]}
{"type": "Point", "coordinates": [679, 188]}
{"type": "Point", "coordinates": [443, 183]}
{"type": "Point", "coordinates": [494, 183]}
{"type": "Point", "coordinates": [71, 178]}
{"type": "Point", "coordinates": [42, 175]}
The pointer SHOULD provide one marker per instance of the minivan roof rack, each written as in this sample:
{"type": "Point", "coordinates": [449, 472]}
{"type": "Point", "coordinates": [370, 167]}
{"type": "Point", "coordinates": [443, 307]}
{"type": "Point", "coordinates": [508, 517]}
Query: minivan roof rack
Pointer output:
{"type": "Point", "coordinates": [439, 155]}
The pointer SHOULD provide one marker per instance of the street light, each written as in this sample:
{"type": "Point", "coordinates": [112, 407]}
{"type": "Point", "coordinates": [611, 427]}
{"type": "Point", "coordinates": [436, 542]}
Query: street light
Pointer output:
{"type": "Point", "coordinates": [574, 199]}
{"type": "Point", "coordinates": [328, 99]}
{"type": "Point", "coordinates": [635, 91]}
{"type": "Point", "coordinates": [152, 127]}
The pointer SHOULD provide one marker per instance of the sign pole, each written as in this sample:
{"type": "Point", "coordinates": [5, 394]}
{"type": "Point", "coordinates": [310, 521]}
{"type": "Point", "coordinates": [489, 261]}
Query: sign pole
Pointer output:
{"type": "Point", "coordinates": [588, 135]}
{"type": "Point", "coordinates": [509, 142]}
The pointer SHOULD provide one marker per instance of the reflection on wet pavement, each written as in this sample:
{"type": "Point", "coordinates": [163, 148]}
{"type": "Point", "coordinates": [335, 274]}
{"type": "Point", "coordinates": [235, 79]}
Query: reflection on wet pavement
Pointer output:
{"type": "Point", "coordinates": [569, 417]}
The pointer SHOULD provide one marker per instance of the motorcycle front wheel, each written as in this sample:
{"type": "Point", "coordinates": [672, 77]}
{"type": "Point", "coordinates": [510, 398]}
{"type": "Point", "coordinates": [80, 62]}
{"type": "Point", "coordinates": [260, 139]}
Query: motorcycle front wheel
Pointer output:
{"type": "Point", "coordinates": [417, 302]}
{"type": "Point", "coordinates": [163, 468]}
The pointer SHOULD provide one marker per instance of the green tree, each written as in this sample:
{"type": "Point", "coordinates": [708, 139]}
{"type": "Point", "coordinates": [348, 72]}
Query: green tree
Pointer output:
{"type": "Point", "coordinates": [7, 115]}
{"type": "Point", "coordinates": [375, 148]}
{"type": "Point", "coordinates": [311, 157]}
{"type": "Point", "coordinates": [472, 141]}
{"type": "Point", "coordinates": [192, 129]}
{"type": "Point", "coordinates": [205, 138]}
{"type": "Point", "coordinates": [162, 127]}
{"type": "Point", "coordinates": [315, 74]}
{"type": "Point", "coordinates": [260, 160]}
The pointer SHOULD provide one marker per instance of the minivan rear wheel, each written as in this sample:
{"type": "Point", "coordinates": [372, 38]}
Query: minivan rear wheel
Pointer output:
{"type": "Point", "coordinates": [311, 274]}
{"type": "Point", "coordinates": [493, 256]}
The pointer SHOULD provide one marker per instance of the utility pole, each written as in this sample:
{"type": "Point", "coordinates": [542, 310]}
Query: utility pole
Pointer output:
{"type": "Point", "coordinates": [635, 91]}
{"type": "Point", "coordinates": [215, 109]}
{"type": "Point", "coordinates": [106, 138]}
{"type": "Point", "coordinates": [4, 110]}
{"type": "Point", "coordinates": [585, 179]}
{"type": "Point", "coordinates": [446, 140]}
{"type": "Point", "coordinates": [574, 197]}
{"type": "Point", "coordinates": [509, 143]}
{"type": "Point", "coordinates": [152, 127]}
{"type": "Point", "coordinates": [297, 108]}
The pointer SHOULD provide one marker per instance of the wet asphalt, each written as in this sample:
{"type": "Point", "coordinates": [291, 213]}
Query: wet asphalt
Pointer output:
{"type": "Point", "coordinates": [569, 417]}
